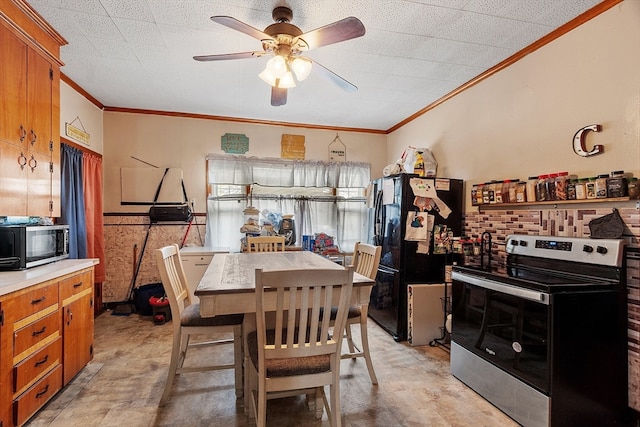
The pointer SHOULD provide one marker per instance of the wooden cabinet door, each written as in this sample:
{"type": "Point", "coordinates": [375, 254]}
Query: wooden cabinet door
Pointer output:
{"type": "Point", "coordinates": [39, 137]}
{"type": "Point", "coordinates": [27, 99]}
{"type": "Point", "coordinates": [13, 88]}
{"type": "Point", "coordinates": [77, 318]}
{"type": "Point", "coordinates": [38, 184]}
{"type": "Point", "coordinates": [39, 103]}
{"type": "Point", "coordinates": [13, 107]}
{"type": "Point", "coordinates": [13, 178]}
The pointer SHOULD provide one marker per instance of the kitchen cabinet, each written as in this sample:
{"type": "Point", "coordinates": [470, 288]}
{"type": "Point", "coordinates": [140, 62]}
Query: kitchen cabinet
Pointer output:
{"type": "Point", "coordinates": [76, 296]}
{"type": "Point", "coordinates": [195, 260]}
{"type": "Point", "coordinates": [29, 114]}
{"type": "Point", "coordinates": [46, 335]}
{"type": "Point", "coordinates": [30, 351]}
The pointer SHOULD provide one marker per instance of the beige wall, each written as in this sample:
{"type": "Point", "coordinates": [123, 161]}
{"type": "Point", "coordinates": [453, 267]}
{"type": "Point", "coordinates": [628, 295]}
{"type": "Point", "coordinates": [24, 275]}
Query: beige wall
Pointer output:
{"type": "Point", "coordinates": [521, 121]}
{"type": "Point", "coordinates": [184, 143]}
{"type": "Point", "coordinates": [76, 109]}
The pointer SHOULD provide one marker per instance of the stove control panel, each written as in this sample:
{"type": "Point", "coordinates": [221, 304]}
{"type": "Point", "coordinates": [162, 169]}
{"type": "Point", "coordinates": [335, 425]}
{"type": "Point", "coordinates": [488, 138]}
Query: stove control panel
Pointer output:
{"type": "Point", "coordinates": [595, 251]}
{"type": "Point", "coordinates": [554, 244]}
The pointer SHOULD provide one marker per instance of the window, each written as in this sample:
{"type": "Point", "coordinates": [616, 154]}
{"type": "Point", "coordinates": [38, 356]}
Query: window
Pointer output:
{"type": "Point", "coordinates": [323, 197]}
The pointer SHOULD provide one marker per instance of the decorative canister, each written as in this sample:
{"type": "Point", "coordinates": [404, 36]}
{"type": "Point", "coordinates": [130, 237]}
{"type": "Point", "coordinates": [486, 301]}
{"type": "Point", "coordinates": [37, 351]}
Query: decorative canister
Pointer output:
{"type": "Point", "coordinates": [288, 230]}
{"type": "Point", "coordinates": [617, 185]}
{"type": "Point", "coordinates": [633, 188]}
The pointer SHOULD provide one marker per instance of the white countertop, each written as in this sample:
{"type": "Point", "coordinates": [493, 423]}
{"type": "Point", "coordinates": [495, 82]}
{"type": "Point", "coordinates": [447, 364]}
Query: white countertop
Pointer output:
{"type": "Point", "coordinates": [11, 281]}
{"type": "Point", "coordinates": [203, 250]}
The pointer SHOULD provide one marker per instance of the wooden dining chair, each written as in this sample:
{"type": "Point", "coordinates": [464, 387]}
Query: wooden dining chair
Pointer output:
{"type": "Point", "coordinates": [187, 321]}
{"type": "Point", "coordinates": [298, 355]}
{"type": "Point", "coordinates": [265, 244]}
{"type": "Point", "coordinates": [366, 259]}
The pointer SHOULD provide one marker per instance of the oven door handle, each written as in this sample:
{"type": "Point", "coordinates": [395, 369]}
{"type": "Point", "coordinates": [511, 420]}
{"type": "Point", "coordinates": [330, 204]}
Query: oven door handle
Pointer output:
{"type": "Point", "coordinates": [482, 282]}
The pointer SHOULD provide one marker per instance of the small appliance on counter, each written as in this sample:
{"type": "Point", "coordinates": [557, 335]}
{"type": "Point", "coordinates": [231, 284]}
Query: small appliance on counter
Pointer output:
{"type": "Point", "coordinates": [25, 246]}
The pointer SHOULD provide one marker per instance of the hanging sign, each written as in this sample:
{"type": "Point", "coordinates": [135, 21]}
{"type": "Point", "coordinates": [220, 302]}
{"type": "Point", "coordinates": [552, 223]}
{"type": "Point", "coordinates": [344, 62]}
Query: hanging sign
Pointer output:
{"type": "Point", "coordinates": [292, 147]}
{"type": "Point", "coordinates": [337, 150]}
{"type": "Point", "coordinates": [75, 133]}
{"type": "Point", "coordinates": [234, 143]}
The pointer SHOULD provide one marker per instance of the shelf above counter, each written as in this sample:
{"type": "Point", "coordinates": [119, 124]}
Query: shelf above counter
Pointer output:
{"type": "Point", "coordinates": [556, 203]}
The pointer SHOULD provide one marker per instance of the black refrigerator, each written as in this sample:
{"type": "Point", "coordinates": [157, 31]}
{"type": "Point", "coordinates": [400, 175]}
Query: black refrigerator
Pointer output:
{"type": "Point", "coordinates": [404, 262]}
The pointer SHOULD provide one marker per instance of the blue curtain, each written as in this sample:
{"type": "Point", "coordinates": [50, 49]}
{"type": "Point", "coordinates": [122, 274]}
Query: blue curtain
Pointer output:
{"type": "Point", "coordinates": [72, 199]}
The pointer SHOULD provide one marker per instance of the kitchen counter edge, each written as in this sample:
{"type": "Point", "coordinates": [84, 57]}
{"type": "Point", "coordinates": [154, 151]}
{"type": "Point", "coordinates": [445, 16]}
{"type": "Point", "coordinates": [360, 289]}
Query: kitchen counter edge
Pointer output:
{"type": "Point", "coordinates": [12, 281]}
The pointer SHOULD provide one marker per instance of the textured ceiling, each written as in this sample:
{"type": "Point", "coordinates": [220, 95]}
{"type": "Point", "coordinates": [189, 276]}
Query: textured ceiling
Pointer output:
{"type": "Point", "coordinates": [138, 53]}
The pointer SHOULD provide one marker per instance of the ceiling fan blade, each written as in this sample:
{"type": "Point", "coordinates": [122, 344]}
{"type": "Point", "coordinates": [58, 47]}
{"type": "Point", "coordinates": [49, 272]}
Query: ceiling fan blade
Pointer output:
{"type": "Point", "coordinates": [278, 96]}
{"type": "Point", "coordinates": [345, 29]}
{"type": "Point", "coordinates": [325, 72]}
{"type": "Point", "coordinates": [225, 56]}
{"type": "Point", "coordinates": [234, 24]}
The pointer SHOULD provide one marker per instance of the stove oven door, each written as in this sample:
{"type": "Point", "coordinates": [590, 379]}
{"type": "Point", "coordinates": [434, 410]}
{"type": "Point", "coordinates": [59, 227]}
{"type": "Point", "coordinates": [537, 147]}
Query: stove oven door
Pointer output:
{"type": "Point", "coordinates": [506, 325]}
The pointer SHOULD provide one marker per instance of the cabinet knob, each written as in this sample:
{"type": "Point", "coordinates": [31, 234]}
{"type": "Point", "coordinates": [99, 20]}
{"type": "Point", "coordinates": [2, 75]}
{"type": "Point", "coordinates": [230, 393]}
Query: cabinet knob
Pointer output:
{"type": "Point", "coordinates": [33, 163]}
{"type": "Point", "coordinates": [22, 161]}
{"type": "Point", "coordinates": [23, 133]}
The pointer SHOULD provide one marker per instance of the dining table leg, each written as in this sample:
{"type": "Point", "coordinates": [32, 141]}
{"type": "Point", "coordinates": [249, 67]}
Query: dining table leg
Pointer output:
{"type": "Point", "coordinates": [248, 325]}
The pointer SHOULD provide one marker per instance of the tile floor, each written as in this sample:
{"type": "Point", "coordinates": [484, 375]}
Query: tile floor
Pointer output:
{"type": "Point", "coordinates": [123, 384]}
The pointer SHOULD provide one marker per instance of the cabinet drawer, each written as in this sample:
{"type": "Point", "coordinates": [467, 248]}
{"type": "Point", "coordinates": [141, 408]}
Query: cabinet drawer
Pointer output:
{"type": "Point", "coordinates": [75, 284]}
{"type": "Point", "coordinates": [31, 400]}
{"type": "Point", "coordinates": [34, 366]}
{"type": "Point", "coordinates": [197, 260]}
{"type": "Point", "coordinates": [39, 332]}
{"type": "Point", "coordinates": [31, 302]}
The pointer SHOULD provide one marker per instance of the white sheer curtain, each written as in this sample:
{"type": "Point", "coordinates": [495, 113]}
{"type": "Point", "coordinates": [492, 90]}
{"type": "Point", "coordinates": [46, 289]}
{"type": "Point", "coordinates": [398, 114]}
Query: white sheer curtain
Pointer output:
{"type": "Point", "coordinates": [344, 217]}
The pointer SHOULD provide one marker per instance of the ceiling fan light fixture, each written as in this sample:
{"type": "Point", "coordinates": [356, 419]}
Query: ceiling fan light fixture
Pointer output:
{"type": "Point", "coordinates": [266, 76]}
{"type": "Point", "coordinates": [286, 81]}
{"type": "Point", "coordinates": [277, 66]}
{"type": "Point", "coordinates": [301, 67]}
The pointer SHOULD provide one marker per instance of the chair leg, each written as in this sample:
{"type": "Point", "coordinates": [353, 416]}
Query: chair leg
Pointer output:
{"type": "Point", "coordinates": [176, 355]}
{"type": "Point", "coordinates": [184, 346]}
{"type": "Point", "coordinates": [237, 359]}
{"type": "Point", "coordinates": [365, 349]}
{"type": "Point", "coordinates": [319, 399]}
{"type": "Point", "coordinates": [350, 339]}
{"type": "Point", "coordinates": [261, 415]}
{"type": "Point", "coordinates": [334, 413]}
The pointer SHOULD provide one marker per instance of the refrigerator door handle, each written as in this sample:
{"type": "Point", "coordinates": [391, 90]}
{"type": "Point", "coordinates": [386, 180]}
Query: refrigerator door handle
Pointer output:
{"type": "Point", "coordinates": [387, 270]}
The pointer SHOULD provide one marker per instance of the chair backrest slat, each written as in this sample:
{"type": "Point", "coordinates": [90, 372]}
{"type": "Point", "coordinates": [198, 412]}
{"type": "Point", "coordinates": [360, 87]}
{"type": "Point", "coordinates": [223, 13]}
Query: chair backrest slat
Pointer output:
{"type": "Point", "coordinates": [366, 259]}
{"type": "Point", "coordinates": [265, 243]}
{"type": "Point", "coordinates": [307, 297]}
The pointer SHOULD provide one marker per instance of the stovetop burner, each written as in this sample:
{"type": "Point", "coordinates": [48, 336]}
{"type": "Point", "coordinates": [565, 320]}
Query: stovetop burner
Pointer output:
{"type": "Point", "coordinates": [539, 281]}
{"type": "Point", "coordinates": [559, 264]}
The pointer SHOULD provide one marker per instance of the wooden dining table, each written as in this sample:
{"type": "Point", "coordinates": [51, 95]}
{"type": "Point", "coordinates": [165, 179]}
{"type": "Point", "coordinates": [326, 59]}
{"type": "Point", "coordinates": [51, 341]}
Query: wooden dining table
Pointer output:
{"type": "Point", "coordinates": [228, 286]}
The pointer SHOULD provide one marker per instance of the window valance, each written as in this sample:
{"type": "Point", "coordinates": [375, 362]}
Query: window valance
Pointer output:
{"type": "Point", "coordinates": [242, 170]}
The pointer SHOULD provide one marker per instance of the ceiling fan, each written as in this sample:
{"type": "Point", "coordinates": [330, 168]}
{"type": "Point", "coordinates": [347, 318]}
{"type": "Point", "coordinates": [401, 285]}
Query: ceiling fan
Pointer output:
{"type": "Point", "coordinates": [286, 43]}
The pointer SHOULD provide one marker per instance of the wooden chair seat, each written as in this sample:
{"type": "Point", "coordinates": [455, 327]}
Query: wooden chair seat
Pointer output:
{"type": "Point", "coordinates": [191, 317]}
{"type": "Point", "coordinates": [289, 366]}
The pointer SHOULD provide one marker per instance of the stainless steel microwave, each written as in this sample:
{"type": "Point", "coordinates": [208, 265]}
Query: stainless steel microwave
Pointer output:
{"type": "Point", "coordinates": [26, 246]}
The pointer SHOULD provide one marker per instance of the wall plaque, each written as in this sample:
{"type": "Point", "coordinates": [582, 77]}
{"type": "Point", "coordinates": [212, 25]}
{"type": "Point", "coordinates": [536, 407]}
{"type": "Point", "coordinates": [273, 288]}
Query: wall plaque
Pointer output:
{"type": "Point", "coordinates": [234, 143]}
{"type": "Point", "coordinates": [292, 147]}
{"type": "Point", "coordinates": [337, 150]}
{"type": "Point", "coordinates": [76, 133]}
